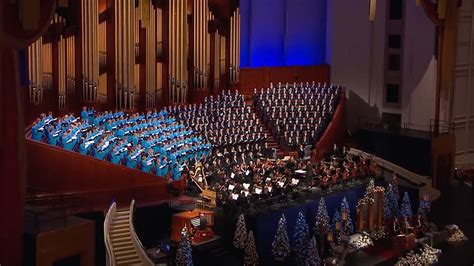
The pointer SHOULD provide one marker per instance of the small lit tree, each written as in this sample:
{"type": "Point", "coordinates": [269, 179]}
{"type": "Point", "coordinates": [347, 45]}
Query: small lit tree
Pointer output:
{"type": "Point", "coordinates": [184, 256]}
{"type": "Point", "coordinates": [240, 236]}
{"type": "Point", "coordinates": [300, 240]}
{"type": "Point", "coordinates": [281, 244]}
{"type": "Point", "coordinates": [322, 219]}
{"type": "Point", "coordinates": [390, 204]}
{"type": "Point", "coordinates": [406, 210]}
{"type": "Point", "coordinates": [336, 227]}
{"type": "Point", "coordinates": [313, 258]}
{"type": "Point", "coordinates": [251, 256]}
{"type": "Point", "coordinates": [347, 225]}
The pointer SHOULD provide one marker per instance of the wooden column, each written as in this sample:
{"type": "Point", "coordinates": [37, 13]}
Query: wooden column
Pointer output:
{"type": "Point", "coordinates": [142, 86]}
{"type": "Point", "coordinates": [191, 44]}
{"type": "Point", "coordinates": [212, 58]}
{"type": "Point", "coordinates": [12, 158]}
{"type": "Point", "coordinates": [55, 67]}
{"type": "Point", "coordinates": [111, 72]}
{"type": "Point", "coordinates": [166, 51]}
{"type": "Point", "coordinates": [15, 34]}
{"type": "Point", "coordinates": [78, 58]}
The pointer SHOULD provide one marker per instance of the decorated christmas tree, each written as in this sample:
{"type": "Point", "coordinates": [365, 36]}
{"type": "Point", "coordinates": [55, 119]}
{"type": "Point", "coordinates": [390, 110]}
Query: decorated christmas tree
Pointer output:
{"type": "Point", "coordinates": [240, 236]}
{"type": "Point", "coordinates": [281, 244]}
{"type": "Point", "coordinates": [313, 258]}
{"type": "Point", "coordinates": [251, 256]}
{"type": "Point", "coordinates": [406, 206]}
{"type": "Point", "coordinates": [184, 256]}
{"type": "Point", "coordinates": [336, 227]}
{"type": "Point", "coordinates": [322, 219]}
{"type": "Point", "coordinates": [300, 240]}
{"type": "Point", "coordinates": [347, 225]}
{"type": "Point", "coordinates": [390, 204]}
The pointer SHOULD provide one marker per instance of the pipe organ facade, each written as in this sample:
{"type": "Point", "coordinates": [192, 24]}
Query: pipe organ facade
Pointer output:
{"type": "Point", "coordinates": [35, 72]}
{"type": "Point", "coordinates": [133, 55]}
{"type": "Point", "coordinates": [201, 60]}
{"type": "Point", "coordinates": [235, 46]}
{"type": "Point", "coordinates": [90, 50]}
{"type": "Point", "coordinates": [125, 88]}
{"type": "Point", "coordinates": [178, 55]}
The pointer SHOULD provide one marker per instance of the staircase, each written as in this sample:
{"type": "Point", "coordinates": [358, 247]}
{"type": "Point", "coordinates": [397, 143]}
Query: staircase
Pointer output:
{"type": "Point", "coordinates": [271, 141]}
{"type": "Point", "coordinates": [122, 244]}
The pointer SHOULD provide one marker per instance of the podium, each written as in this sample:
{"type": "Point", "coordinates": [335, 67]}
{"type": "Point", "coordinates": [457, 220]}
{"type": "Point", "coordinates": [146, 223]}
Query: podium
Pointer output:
{"type": "Point", "coordinates": [191, 220]}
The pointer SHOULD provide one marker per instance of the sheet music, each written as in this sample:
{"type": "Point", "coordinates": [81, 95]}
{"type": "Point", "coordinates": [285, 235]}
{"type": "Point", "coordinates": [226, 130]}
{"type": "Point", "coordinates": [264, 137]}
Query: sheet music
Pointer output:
{"type": "Point", "coordinates": [231, 187]}
{"type": "Point", "coordinates": [246, 185]}
{"type": "Point", "coordinates": [258, 191]}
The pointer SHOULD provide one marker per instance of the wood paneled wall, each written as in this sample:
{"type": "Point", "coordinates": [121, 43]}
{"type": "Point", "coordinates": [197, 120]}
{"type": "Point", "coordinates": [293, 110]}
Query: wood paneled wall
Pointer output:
{"type": "Point", "coordinates": [261, 77]}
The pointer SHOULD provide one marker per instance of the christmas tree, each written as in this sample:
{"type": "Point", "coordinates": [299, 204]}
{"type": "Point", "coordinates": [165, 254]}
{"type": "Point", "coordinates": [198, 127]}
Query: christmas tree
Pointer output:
{"type": "Point", "coordinates": [183, 254]}
{"type": "Point", "coordinates": [240, 236]}
{"type": "Point", "coordinates": [281, 244]}
{"type": "Point", "coordinates": [406, 206]}
{"type": "Point", "coordinates": [347, 225]}
{"type": "Point", "coordinates": [251, 256]}
{"type": "Point", "coordinates": [322, 218]}
{"type": "Point", "coordinates": [336, 227]}
{"type": "Point", "coordinates": [390, 204]}
{"type": "Point", "coordinates": [300, 240]}
{"type": "Point", "coordinates": [313, 258]}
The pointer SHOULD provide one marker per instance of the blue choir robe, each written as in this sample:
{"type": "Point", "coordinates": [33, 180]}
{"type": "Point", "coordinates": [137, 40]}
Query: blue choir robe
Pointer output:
{"type": "Point", "coordinates": [85, 115]}
{"type": "Point", "coordinates": [83, 149]}
{"type": "Point", "coordinates": [115, 158]}
{"type": "Point", "coordinates": [69, 142]}
{"type": "Point", "coordinates": [36, 133]}
{"type": "Point", "coordinates": [130, 162]}
{"type": "Point", "coordinates": [162, 169]}
{"type": "Point", "coordinates": [100, 154]}
{"type": "Point", "coordinates": [146, 165]}
{"type": "Point", "coordinates": [51, 139]}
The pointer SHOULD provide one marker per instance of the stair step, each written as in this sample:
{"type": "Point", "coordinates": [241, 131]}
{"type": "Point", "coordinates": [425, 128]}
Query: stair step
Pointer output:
{"type": "Point", "coordinates": [120, 259]}
{"type": "Point", "coordinates": [121, 245]}
{"type": "Point", "coordinates": [129, 251]}
{"type": "Point", "coordinates": [120, 220]}
{"type": "Point", "coordinates": [129, 261]}
{"type": "Point", "coordinates": [120, 239]}
{"type": "Point", "coordinates": [120, 234]}
{"type": "Point", "coordinates": [120, 225]}
{"type": "Point", "coordinates": [119, 230]}
{"type": "Point", "coordinates": [124, 247]}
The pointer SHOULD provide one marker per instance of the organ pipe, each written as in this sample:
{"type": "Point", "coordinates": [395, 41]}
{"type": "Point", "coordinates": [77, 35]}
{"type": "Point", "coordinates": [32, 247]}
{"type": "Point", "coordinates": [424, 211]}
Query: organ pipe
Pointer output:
{"type": "Point", "coordinates": [217, 53]}
{"type": "Point", "coordinates": [125, 54]}
{"type": "Point", "coordinates": [178, 51]}
{"type": "Point", "coordinates": [201, 59]}
{"type": "Point", "coordinates": [35, 71]}
{"type": "Point", "coordinates": [90, 51]}
{"type": "Point", "coordinates": [70, 65]}
{"type": "Point", "coordinates": [147, 15]}
{"type": "Point", "coordinates": [235, 46]}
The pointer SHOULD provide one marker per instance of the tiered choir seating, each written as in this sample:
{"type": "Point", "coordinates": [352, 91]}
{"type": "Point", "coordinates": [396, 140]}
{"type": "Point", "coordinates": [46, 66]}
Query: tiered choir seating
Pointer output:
{"type": "Point", "coordinates": [298, 114]}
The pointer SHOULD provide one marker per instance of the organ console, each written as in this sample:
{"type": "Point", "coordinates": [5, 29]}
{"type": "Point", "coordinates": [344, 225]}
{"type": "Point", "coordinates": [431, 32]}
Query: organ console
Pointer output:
{"type": "Point", "coordinates": [191, 220]}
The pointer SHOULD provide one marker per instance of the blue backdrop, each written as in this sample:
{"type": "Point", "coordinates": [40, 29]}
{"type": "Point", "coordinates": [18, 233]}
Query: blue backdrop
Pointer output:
{"type": "Point", "coordinates": [283, 32]}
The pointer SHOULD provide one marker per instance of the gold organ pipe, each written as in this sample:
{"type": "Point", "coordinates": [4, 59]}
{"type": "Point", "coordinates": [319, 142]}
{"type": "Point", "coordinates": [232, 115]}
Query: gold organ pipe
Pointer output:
{"type": "Point", "coordinates": [238, 45]}
{"type": "Point", "coordinates": [170, 51]}
{"type": "Point", "coordinates": [195, 43]}
{"type": "Point", "coordinates": [184, 50]}
{"type": "Point", "coordinates": [180, 41]}
{"type": "Point", "coordinates": [83, 44]}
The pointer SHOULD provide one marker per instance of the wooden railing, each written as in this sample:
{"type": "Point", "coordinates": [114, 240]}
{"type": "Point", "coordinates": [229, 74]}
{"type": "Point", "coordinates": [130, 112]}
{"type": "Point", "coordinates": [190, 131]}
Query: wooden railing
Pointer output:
{"type": "Point", "coordinates": [135, 240]}
{"type": "Point", "coordinates": [423, 182]}
{"type": "Point", "coordinates": [109, 258]}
